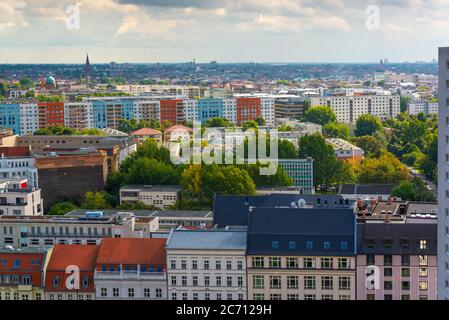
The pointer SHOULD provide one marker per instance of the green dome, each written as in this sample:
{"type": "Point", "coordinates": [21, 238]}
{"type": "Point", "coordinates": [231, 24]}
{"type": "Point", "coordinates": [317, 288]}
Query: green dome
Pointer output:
{"type": "Point", "coordinates": [50, 80]}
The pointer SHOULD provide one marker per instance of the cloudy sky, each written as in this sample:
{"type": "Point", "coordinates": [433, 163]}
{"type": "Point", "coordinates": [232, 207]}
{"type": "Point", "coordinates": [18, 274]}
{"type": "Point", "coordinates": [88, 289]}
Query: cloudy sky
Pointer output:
{"type": "Point", "coordinates": [47, 31]}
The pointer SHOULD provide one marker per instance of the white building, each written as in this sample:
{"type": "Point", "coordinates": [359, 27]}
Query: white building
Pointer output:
{"type": "Point", "coordinates": [17, 201]}
{"type": "Point", "coordinates": [206, 265]}
{"type": "Point", "coordinates": [29, 118]}
{"type": "Point", "coordinates": [424, 106]}
{"type": "Point", "coordinates": [443, 176]}
{"type": "Point", "coordinates": [301, 172]}
{"type": "Point", "coordinates": [131, 269]}
{"type": "Point", "coordinates": [19, 168]}
{"type": "Point", "coordinates": [349, 108]}
{"type": "Point", "coordinates": [267, 110]}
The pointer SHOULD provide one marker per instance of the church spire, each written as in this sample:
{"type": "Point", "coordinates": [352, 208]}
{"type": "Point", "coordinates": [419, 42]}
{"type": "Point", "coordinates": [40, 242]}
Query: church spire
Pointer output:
{"type": "Point", "coordinates": [87, 70]}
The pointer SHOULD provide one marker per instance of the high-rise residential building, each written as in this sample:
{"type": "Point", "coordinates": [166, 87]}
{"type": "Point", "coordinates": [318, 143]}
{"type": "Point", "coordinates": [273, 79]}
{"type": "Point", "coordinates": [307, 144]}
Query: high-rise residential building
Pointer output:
{"type": "Point", "coordinates": [349, 108]}
{"type": "Point", "coordinates": [50, 114]}
{"type": "Point", "coordinates": [443, 175]}
{"type": "Point", "coordinates": [289, 106]}
{"type": "Point", "coordinates": [425, 106]}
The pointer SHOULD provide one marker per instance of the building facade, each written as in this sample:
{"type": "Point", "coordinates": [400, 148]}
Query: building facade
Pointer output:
{"type": "Point", "coordinates": [300, 171]}
{"type": "Point", "coordinates": [159, 196]}
{"type": "Point", "coordinates": [131, 269]}
{"type": "Point", "coordinates": [206, 265]}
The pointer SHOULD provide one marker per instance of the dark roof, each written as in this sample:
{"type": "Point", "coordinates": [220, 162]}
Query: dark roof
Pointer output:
{"type": "Point", "coordinates": [299, 225]}
{"type": "Point", "coordinates": [365, 189]}
{"type": "Point", "coordinates": [413, 232]}
{"type": "Point", "coordinates": [234, 210]}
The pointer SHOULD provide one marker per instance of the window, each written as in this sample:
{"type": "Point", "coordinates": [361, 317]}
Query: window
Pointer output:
{"type": "Point", "coordinates": [275, 296]}
{"type": "Point", "coordinates": [206, 281]}
{"type": "Point", "coordinates": [207, 296]}
{"type": "Point", "coordinates": [183, 264]}
{"type": "Point", "coordinates": [194, 265]}
{"type": "Point", "coordinates": [275, 282]}
{"type": "Point", "coordinates": [184, 281]}
{"type": "Point", "coordinates": [228, 265]}
{"type": "Point", "coordinates": [85, 282]}
{"type": "Point", "coordinates": [370, 259]}
{"type": "Point", "coordinates": [173, 280]}
{"type": "Point", "coordinates": [369, 243]}
{"type": "Point", "coordinates": [56, 281]}
{"type": "Point", "coordinates": [327, 297]}
{"type": "Point", "coordinates": [158, 293]}
{"type": "Point", "coordinates": [274, 244]}
{"type": "Point", "coordinates": [275, 262]}
{"type": "Point", "coordinates": [239, 265]}
{"type": "Point", "coordinates": [405, 285]}
{"type": "Point", "coordinates": [257, 262]}
{"type": "Point", "coordinates": [131, 292]}
{"type": "Point", "coordinates": [292, 245]}
{"type": "Point", "coordinates": [206, 264]}
{"type": "Point", "coordinates": [292, 297]}
{"type": "Point", "coordinates": [388, 260]}
{"type": "Point", "coordinates": [115, 292]}
{"type": "Point", "coordinates": [343, 263]}
{"type": "Point", "coordinates": [388, 272]}
{"type": "Point", "coordinates": [240, 281]}
{"type": "Point", "coordinates": [388, 285]}
{"type": "Point", "coordinates": [326, 263]}
{"type": "Point", "coordinates": [104, 292]}
{"type": "Point", "coordinates": [344, 245]}
{"type": "Point", "coordinates": [405, 272]}
{"type": "Point", "coordinates": [405, 297]}
{"type": "Point", "coordinates": [327, 283]}
{"type": "Point", "coordinates": [218, 281]}
{"type": "Point", "coordinates": [405, 260]}
{"type": "Point", "coordinates": [258, 282]}
{"type": "Point", "coordinates": [404, 243]}
{"type": "Point", "coordinates": [309, 297]}
{"type": "Point", "coordinates": [326, 245]}
{"type": "Point", "coordinates": [195, 281]}
{"type": "Point", "coordinates": [218, 265]}
{"type": "Point", "coordinates": [174, 296]}
{"type": "Point", "coordinates": [422, 244]}
{"type": "Point", "coordinates": [292, 282]}
{"type": "Point", "coordinates": [309, 263]}
{"type": "Point", "coordinates": [423, 285]}
{"type": "Point", "coordinates": [423, 272]}
{"type": "Point", "coordinates": [387, 243]}
{"type": "Point", "coordinates": [422, 260]}
{"type": "Point", "coordinates": [258, 296]}
{"type": "Point", "coordinates": [309, 245]}
{"type": "Point", "coordinates": [292, 262]}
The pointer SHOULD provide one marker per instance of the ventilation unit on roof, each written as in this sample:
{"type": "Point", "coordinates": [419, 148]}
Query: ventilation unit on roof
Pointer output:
{"type": "Point", "coordinates": [301, 203]}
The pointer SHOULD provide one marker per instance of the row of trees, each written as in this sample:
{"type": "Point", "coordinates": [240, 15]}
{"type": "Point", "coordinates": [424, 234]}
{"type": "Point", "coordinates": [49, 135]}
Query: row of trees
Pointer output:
{"type": "Point", "coordinates": [59, 130]}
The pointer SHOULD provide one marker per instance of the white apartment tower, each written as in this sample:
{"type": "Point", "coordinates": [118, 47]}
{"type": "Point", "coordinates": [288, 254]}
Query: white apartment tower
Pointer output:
{"type": "Point", "coordinates": [443, 175]}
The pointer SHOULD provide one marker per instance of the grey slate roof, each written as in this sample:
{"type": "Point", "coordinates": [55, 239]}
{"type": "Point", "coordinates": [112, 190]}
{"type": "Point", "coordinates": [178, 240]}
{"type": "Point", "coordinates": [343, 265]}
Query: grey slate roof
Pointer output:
{"type": "Point", "coordinates": [234, 210]}
{"type": "Point", "coordinates": [207, 240]}
{"type": "Point", "coordinates": [365, 189]}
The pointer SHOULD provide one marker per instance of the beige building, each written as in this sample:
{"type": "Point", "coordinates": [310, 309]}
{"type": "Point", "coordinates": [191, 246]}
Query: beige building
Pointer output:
{"type": "Point", "coordinates": [18, 201]}
{"type": "Point", "coordinates": [158, 196]}
{"type": "Point", "coordinates": [292, 255]}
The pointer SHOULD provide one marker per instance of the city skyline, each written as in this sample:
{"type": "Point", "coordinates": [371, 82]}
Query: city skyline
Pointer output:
{"type": "Point", "coordinates": [231, 31]}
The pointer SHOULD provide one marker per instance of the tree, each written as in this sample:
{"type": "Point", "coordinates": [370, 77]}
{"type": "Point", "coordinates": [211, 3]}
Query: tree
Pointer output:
{"type": "Point", "coordinates": [372, 147]}
{"type": "Point", "coordinates": [61, 208]}
{"type": "Point", "coordinates": [26, 83]}
{"type": "Point", "coordinates": [250, 124]}
{"type": "Point", "coordinates": [336, 130]}
{"type": "Point", "coordinates": [217, 122]}
{"type": "Point", "coordinates": [404, 103]}
{"type": "Point", "coordinates": [151, 171]}
{"type": "Point", "coordinates": [286, 150]}
{"type": "Point", "coordinates": [367, 125]}
{"type": "Point", "coordinates": [96, 200]}
{"type": "Point", "coordinates": [279, 179]}
{"type": "Point", "coordinates": [260, 121]}
{"type": "Point", "coordinates": [327, 169]}
{"type": "Point", "coordinates": [320, 115]}
{"type": "Point", "coordinates": [386, 169]}
{"type": "Point", "coordinates": [413, 190]}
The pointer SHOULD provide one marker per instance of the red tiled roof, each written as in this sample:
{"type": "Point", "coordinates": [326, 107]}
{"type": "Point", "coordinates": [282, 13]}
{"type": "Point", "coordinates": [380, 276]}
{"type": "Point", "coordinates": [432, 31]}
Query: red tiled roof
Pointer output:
{"type": "Point", "coordinates": [27, 261]}
{"type": "Point", "coordinates": [64, 255]}
{"type": "Point", "coordinates": [178, 127]}
{"type": "Point", "coordinates": [146, 131]}
{"type": "Point", "coordinates": [132, 251]}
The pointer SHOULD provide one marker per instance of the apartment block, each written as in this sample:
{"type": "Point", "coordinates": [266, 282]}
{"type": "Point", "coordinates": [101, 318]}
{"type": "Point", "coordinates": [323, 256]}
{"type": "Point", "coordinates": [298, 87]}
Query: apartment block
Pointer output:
{"type": "Point", "coordinates": [16, 199]}
{"type": "Point", "coordinates": [397, 251]}
{"type": "Point", "coordinates": [422, 106]}
{"type": "Point", "coordinates": [18, 163]}
{"type": "Point", "coordinates": [289, 107]}
{"type": "Point", "coordinates": [206, 265]}
{"type": "Point", "coordinates": [349, 108]}
{"type": "Point", "coordinates": [293, 255]}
